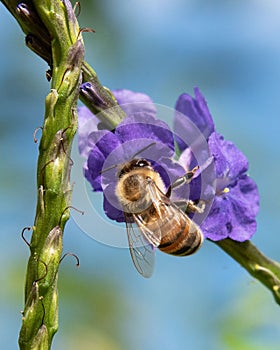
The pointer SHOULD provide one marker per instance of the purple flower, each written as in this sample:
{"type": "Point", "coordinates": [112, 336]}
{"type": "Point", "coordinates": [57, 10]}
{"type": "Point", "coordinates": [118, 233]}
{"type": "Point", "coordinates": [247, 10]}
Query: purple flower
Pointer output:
{"type": "Point", "coordinates": [236, 202]}
{"type": "Point", "coordinates": [139, 135]}
{"type": "Point", "coordinates": [197, 113]}
{"type": "Point", "coordinates": [230, 195]}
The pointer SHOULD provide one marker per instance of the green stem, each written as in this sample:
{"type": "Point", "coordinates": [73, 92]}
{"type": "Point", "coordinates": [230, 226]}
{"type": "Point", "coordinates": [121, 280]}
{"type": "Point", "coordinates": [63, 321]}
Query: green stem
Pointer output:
{"type": "Point", "coordinates": [40, 316]}
{"type": "Point", "coordinates": [38, 39]}
{"type": "Point", "coordinates": [267, 271]}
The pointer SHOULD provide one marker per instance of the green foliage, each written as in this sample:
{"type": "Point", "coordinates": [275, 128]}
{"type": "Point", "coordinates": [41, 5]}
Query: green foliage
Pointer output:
{"type": "Point", "coordinates": [244, 320]}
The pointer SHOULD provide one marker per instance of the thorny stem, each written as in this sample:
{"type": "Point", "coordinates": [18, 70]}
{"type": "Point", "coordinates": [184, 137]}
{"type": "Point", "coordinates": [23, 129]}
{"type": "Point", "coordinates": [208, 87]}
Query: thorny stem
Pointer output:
{"type": "Point", "coordinates": [40, 315]}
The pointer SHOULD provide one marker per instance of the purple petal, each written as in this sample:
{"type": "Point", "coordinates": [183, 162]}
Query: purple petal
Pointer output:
{"type": "Point", "coordinates": [93, 168]}
{"type": "Point", "coordinates": [249, 190]}
{"type": "Point", "coordinates": [186, 159]}
{"type": "Point", "coordinates": [230, 162]}
{"type": "Point", "coordinates": [134, 102]}
{"type": "Point", "coordinates": [214, 226]}
{"type": "Point", "coordinates": [169, 170]}
{"type": "Point", "coordinates": [112, 212]}
{"type": "Point", "coordinates": [87, 124]}
{"type": "Point", "coordinates": [145, 127]}
{"type": "Point", "coordinates": [103, 143]}
{"type": "Point", "coordinates": [203, 184]}
{"type": "Point", "coordinates": [233, 213]}
{"type": "Point", "coordinates": [194, 110]}
{"type": "Point", "coordinates": [245, 205]}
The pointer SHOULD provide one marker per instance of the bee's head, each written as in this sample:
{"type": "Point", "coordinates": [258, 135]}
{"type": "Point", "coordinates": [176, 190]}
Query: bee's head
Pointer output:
{"type": "Point", "coordinates": [133, 165]}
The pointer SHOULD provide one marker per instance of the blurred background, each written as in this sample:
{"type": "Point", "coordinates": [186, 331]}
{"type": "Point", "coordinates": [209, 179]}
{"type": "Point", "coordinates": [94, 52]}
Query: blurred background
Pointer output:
{"type": "Point", "coordinates": [230, 49]}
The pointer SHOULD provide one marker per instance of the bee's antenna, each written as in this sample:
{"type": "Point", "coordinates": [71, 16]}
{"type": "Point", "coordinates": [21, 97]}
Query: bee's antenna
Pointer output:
{"type": "Point", "coordinates": [109, 168]}
{"type": "Point", "coordinates": [143, 149]}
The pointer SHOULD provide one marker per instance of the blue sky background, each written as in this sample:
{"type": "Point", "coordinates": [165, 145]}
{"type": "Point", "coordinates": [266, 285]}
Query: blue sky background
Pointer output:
{"type": "Point", "coordinates": [231, 50]}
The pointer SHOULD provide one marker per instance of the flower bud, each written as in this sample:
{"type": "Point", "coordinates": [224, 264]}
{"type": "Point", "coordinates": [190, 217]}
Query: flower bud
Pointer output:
{"type": "Point", "coordinates": [40, 341]}
{"type": "Point", "coordinates": [39, 47]}
{"type": "Point", "coordinates": [70, 12]}
{"type": "Point", "coordinates": [38, 38]}
{"type": "Point", "coordinates": [32, 315]}
{"type": "Point", "coordinates": [91, 93]}
{"type": "Point", "coordinates": [50, 256]}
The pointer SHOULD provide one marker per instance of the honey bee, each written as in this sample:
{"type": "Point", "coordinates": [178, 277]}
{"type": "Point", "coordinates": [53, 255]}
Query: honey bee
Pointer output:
{"type": "Point", "coordinates": [152, 219]}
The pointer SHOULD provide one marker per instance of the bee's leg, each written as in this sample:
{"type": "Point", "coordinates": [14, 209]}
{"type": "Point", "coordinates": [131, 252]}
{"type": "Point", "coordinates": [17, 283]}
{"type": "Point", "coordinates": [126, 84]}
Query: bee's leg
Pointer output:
{"type": "Point", "coordinates": [182, 180]}
{"type": "Point", "coordinates": [190, 206]}
{"type": "Point", "coordinates": [185, 179]}
{"type": "Point", "coordinates": [196, 207]}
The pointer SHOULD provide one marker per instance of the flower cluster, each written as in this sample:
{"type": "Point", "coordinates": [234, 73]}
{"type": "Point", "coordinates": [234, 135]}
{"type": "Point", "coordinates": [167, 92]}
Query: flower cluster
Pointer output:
{"type": "Point", "coordinates": [236, 202]}
{"type": "Point", "coordinates": [141, 134]}
{"type": "Point", "coordinates": [231, 196]}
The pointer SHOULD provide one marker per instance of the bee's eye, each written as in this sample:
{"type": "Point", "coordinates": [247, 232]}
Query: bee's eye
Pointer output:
{"type": "Point", "coordinates": [141, 163]}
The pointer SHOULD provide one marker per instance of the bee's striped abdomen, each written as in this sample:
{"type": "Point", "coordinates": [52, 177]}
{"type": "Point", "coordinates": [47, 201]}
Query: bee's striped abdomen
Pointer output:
{"type": "Point", "coordinates": [184, 238]}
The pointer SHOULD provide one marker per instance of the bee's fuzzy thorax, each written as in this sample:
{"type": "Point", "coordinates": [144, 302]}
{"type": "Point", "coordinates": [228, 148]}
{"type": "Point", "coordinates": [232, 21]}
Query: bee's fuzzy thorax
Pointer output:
{"type": "Point", "coordinates": [131, 188]}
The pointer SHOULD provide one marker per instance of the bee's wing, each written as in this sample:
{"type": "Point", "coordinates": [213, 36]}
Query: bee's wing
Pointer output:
{"type": "Point", "coordinates": [142, 240]}
{"type": "Point", "coordinates": [153, 237]}
{"type": "Point", "coordinates": [165, 211]}
{"type": "Point", "coordinates": [141, 250]}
